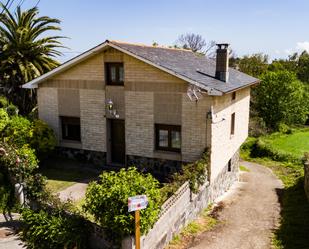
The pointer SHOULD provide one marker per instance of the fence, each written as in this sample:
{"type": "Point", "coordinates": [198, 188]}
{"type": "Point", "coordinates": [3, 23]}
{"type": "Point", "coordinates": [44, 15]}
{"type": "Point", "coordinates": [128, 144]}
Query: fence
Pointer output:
{"type": "Point", "coordinates": [183, 207]}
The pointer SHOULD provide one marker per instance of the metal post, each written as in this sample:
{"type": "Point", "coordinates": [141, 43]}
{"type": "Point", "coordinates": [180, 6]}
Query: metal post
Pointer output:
{"type": "Point", "coordinates": [137, 230]}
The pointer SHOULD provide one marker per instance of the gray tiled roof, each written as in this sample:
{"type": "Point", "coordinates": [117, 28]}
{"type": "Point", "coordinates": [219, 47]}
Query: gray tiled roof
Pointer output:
{"type": "Point", "coordinates": [198, 68]}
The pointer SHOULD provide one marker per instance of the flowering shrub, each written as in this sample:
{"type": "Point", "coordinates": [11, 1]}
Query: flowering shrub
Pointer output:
{"type": "Point", "coordinates": [18, 166]}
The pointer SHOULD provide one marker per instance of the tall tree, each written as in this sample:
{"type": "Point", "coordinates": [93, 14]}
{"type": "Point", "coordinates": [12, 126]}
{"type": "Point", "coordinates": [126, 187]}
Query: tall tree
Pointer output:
{"type": "Point", "coordinates": [281, 98]}
{"type": "Point", "coordinates": [254, 65]}
{"type": "Point", "coordinates": [25, 53]}
{"type": "Point", "coordinates": [196, 43]}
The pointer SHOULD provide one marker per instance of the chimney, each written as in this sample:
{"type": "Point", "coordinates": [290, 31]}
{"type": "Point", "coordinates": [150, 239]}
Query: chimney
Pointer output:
{"type": "Point", "coordinates": [222, 63]}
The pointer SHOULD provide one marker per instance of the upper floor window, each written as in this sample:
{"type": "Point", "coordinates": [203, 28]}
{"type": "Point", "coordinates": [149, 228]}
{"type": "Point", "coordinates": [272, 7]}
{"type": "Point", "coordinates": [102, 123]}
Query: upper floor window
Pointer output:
{"type": "Point", "coordinates": [114, 74]}
{"type": "Point", "coordinates": [168, 137]}
{"type": "Point", "coordinates": [233, 95]}
{"type": "Point", "coordinates": [70, 128]}
{"type": "Point", "coordinates": [233, 124]}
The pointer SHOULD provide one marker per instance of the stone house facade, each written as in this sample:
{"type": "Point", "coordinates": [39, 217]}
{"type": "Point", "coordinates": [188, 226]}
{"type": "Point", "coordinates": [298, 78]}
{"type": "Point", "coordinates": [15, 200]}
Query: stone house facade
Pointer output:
{"type": "Point", "coordinates": [122, 104]}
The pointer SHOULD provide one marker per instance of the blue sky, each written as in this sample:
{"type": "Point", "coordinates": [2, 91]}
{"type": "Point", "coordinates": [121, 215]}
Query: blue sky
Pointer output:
{"type": "Point", "coordinates": [275, 27]}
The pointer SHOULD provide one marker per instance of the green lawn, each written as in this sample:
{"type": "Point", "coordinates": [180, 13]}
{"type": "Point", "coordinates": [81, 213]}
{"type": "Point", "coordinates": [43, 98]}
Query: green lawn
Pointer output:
{"type": "Point", "coordinates": [296, 143]}
{"type": "Point", "coordinates": [62, 174]}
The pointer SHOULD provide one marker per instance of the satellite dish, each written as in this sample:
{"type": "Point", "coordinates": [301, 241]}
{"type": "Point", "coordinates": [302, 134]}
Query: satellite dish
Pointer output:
{"type": "Point", "coordinates": [194, 93]}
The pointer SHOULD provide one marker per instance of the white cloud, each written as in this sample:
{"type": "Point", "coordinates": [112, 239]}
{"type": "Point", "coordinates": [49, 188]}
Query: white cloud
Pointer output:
{"type": "Point", "coordinates": [303, 46]}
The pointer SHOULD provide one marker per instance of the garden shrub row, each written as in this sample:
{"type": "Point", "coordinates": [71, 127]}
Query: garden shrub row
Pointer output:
{"type": "Point", "coordinates": [258, 147]}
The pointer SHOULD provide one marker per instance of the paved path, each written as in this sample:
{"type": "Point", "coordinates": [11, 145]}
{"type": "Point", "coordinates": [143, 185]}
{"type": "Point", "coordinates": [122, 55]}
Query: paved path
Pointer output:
{"type": "Point", "coordinates": [8, 240]}
{"type": "Point", "coordinates": [75, 192]}
{"type": "Point", "coordinates": [251, 211]}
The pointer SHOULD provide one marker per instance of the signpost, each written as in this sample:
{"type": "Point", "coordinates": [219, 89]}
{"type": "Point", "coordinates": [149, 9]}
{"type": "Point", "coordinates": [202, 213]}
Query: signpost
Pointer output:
{"type": "Point", "coordinates": [136, 203]}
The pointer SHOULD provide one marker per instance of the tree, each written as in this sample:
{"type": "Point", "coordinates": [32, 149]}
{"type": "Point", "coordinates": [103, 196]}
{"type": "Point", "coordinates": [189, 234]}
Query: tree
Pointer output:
{"type": "Point", "coordinates": [281, 98]}
{"type": "Point", "coordinates": [254, 65]}
{"type": "Point", "coordinates": [25, 53]}
{"type": "Point", "coordinates": [303, 67]}
{"type": "Point", "coordinates": [196, 43]}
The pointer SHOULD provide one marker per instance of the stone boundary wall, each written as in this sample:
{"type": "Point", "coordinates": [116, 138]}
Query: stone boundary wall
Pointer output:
{"type": "Point", "coordinates": [183, 207]}
{"type": "Point", "coordinates": [306, 179]}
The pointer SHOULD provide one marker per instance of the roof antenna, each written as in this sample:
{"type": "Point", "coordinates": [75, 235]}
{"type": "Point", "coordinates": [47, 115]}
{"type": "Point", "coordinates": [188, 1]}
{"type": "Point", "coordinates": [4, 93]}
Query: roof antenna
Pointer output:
{"type": "Point", "coordinates": [194, 93]}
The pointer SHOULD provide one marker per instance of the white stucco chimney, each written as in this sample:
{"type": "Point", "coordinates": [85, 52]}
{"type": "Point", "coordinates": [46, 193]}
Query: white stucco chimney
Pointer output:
{"type": "Point", "coordinates": [222, 62]}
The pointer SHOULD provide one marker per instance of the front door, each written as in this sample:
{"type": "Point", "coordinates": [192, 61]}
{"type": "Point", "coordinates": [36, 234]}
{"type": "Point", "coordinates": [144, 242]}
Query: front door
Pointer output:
{"type": "Point", "coordinates": [117, 141]}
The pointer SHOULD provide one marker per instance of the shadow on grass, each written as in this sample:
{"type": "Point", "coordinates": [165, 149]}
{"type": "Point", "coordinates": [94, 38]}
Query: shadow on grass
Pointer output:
{"type": "Point", "coordinates": [293, 232]}
{"type": "Point", "coordinates": [59, 169]}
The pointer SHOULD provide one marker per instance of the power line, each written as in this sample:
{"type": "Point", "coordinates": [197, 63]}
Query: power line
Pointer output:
{"type": "Point", "coordinates": [6, 6]}
{"type": "Point", "coordinates": [37, 3]}
{"type": "Point", "coordinates": [19, 4]}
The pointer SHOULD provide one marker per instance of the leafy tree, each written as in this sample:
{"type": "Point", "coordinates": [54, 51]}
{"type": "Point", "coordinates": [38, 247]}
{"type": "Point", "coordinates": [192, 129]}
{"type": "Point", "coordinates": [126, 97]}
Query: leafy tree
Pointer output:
{"type": "Point", "coordinates": [303, 67]}
{"type": "Point", "coordinates": [25, 53]}
{"type": "Point", "coordinates": [281, 98]}
{"type": "Point", "coordinates": [254, 65]}
{"type": "Point", "coordinates": [196, 43]}
{"type": "Point", "coordinates": [107, 201]}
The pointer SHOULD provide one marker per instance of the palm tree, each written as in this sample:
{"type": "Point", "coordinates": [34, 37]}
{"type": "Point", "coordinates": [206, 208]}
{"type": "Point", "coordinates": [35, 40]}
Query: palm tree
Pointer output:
{"type": "Point", "coordinates": [25, 53]}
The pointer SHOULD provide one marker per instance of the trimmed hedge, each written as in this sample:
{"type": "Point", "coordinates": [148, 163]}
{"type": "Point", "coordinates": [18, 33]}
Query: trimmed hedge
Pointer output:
{"type": "Point", "coordinates": [261, 148]}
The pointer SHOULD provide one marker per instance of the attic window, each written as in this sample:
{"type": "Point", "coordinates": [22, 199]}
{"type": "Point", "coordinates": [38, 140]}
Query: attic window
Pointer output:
{"type": "Point", "coordinates": [114, 74]}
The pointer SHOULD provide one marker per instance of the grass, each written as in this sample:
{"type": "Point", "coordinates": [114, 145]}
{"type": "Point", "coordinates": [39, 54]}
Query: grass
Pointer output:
{"type": "Point", "coordinates": [243, 168]}
{"type": "Point", "coordinates": [205, 222]}
{"type": "Point", "coordinates": [65, 174]}
{"type": "Point", "coordinates": [296, 143]}
{"type": "Point", "coordinates": [293, 232]}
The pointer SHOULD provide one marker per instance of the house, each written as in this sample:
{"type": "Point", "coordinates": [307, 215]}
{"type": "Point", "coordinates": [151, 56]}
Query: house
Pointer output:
{"type": "Point", "coordinates": [128, 104]}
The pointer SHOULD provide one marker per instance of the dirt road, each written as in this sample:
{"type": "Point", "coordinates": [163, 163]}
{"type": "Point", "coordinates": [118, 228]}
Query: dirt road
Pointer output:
{"type": "Point", "coordinates": [250, 213]}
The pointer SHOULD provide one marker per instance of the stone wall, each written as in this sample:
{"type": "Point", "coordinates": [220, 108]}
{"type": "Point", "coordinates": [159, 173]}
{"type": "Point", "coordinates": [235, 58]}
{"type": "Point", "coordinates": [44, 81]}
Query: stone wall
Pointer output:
{"type": "Point", "coordinates": [183, 207]}
{"type": "Point", "coordinates": [159, 168]}
{"type": "Point", "coordinates": [306, 179]}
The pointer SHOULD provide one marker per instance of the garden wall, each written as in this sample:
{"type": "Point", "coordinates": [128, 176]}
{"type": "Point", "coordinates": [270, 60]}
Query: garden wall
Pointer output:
{"type": "Point", "coordinates": [306, 165]}
{"type": "Point", "coordinates": [183, 207]}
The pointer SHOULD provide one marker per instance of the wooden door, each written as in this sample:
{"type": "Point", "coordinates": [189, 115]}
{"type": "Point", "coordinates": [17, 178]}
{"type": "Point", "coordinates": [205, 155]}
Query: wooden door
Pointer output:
{"type": "Point", "coordinates": [118, 141]}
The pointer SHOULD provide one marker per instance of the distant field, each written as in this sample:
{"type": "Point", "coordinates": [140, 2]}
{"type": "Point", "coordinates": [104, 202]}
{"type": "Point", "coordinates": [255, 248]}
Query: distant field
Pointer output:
{"type": "Point", "coordinates": [296, 143]}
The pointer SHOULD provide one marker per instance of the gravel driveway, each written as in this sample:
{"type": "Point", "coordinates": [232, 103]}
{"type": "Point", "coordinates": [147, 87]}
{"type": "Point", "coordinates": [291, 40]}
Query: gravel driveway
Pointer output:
{"type": "Point", "coordinates": [250, 213]}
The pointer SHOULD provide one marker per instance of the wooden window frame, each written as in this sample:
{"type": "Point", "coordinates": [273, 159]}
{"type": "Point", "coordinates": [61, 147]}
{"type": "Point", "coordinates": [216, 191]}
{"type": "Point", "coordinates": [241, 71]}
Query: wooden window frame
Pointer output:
{"type": "Point", "coordinates": [168, 128]}
{"type": "Point", "coordinates": [65, 120]}
{"type": "Point", "coordinates": [233, 124]}
{"type": "Point", "coordinates": [118, 65]}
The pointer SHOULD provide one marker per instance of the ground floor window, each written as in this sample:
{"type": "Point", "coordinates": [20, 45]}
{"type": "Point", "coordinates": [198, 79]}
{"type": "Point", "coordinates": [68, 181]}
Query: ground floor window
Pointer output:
{"type": "Point", "coordinates": [70, 128]}
{"type": "Point", "coordinates": [168, 137]}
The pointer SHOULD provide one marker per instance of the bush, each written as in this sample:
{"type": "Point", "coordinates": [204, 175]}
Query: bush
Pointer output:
{"type": "Point", "coordinates": [107, 201]}
{"type": "Point", "coordinates": [43, 139]}
{"type": "Point", "coordinates": [3, 102]}
{"type": "Point", "coordinates": [54, 229]}
{"type": "Point", "coordinates": [263, 149]}
{"type": "Point", "coordinates": [257, 127]}
{"type": "Point", "coordinates": [4, 119]}
{"type": "Point", "coordinates": [12, 110]}
{"type": "Point", "coordinates": [18, 131]}
{"type": "Point", "coordinates": [18, 166]}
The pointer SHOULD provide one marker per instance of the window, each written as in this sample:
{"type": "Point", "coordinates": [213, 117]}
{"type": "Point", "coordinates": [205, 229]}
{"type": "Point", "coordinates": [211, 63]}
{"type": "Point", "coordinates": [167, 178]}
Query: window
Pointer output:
{"type": "Point", "coordinates": [168, 137]}
{"type": "Point", "coordinates": [114, 74]}
{"type": "Point", "coordinates": [70, 128]}
{"type": "Point", "coordinates": [229, 166]}
{"type": "Point", "coordinates": [233, 124]}
{"type": "Point", "coordinates": [233, 95]}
